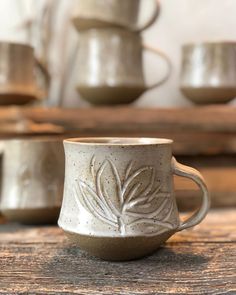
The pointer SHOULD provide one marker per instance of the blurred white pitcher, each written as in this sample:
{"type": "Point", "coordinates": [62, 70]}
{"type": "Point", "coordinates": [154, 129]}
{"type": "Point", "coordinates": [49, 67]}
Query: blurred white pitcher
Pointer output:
{"type": "Point", "coordinates": [104, 13]}
{"type": "Point", "coordinates": [111, 66]}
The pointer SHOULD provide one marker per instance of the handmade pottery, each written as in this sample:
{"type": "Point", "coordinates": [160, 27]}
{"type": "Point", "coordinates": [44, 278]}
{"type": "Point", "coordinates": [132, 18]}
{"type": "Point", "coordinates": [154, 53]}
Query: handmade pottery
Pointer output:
{"type": "Point", "coordinates": [119, 202]}
{"type": "Point", "coordinates": [18, 66]}
{"type": "Point", "coordinates": [118, 79]}
{"type": "Point", "coordinates": [109, 13]}
{"type": "Point", "coordinates": [32, 180]}
{"type": "Point", "coordinates": [209, 72]}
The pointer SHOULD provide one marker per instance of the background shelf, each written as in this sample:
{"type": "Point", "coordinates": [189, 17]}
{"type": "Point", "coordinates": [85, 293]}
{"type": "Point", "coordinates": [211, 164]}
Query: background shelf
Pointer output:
{"type": "Point", "coordinates": [204, 137]}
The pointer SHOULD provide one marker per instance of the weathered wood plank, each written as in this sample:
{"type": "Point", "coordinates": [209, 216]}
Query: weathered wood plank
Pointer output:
{"type": "Point", "coordinates": [198, 130]}
{"type": "Point", "coordinates": [207, 119]}
{"type": "Point", "coordinates": [175, 269]}
{"type": "Point", "coordinates": [199, 261]}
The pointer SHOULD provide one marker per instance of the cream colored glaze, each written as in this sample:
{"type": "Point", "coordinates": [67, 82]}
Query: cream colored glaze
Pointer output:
{"type": "Point", "coordinates": [32, 178]}
{"type": "Point", "coordinates": [123, 188]}
{"type": "Point", "coordinates": [208, 72]}
{"type": "Point", "coordinates": [111, 13]}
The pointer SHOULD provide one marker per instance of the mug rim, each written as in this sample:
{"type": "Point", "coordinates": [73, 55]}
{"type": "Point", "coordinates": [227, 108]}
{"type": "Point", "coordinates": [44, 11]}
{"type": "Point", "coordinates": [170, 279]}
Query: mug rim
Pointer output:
{"type": "Point", "coordinates": [209, 43]}
{"type": "Point", "coordinates": [47, 138]}
{"type": "Point", "coordinates": [118, 141]}
{"type": "Point", "coordinates": [15, 44]}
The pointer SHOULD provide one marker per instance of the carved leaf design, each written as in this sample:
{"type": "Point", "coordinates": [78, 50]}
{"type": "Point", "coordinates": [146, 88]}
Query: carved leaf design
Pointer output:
{"type": "Point", "coordinates": [135, 201]}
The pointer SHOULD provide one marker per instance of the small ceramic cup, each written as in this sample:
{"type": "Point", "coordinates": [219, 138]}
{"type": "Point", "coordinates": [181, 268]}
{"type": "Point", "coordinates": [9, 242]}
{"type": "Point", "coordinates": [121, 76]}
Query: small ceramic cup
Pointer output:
{"type": "Point", "coordinates": [109, 13]}
{"type": "Point", "coordinates": [118, 79]}
{"type": "Point", "coordinates": [18, 67]}
{"type": "Point", "coordinates": [208, 72]}
{"type": "Point", "coordinates": [119, 202]}
{"type": "Point", "coordinates": [32, 180]}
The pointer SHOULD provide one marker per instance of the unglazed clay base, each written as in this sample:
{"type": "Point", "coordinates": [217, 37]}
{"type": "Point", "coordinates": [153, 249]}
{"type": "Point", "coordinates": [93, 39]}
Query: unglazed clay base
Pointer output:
{"type": "Point", "coordinates": [32, 216]}
{"type": "Point", "coordinates": [209, 94]}
{"type": "Point", "coordinates": [83, 23]}
{"type": "Point", "coordinates": [110, 95]}
{"type": "Point", "coordinates": [119, 249]}
{"type": "Point", "coordinates": [14, 98]}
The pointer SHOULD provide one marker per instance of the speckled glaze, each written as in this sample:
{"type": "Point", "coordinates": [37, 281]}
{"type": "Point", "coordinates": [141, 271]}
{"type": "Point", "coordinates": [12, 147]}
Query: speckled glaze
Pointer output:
{"type": "Point", "coordinates": [107, 13]}
{"type": "Point", "coordinates": [209, 72]}
{"type": "Point", "coordinates": [119, 79]}
{"type": "Point", "coordinates": [32, 180]}
{"type": "Point", "coordinates": [119, 192]}
{"type": "Point", "coordinates": [18, 83]}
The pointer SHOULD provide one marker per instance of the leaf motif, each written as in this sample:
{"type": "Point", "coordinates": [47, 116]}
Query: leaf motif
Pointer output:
{"type": "Point", "coordinates": [118, 182]}
{"type": "Point", "coordinates": [128, 170]}
{"type": "Point", "coordinates": [137, 201]}
{"type": "Point", "coordinates": [93, 204]}
{"type": "Point", "coordinates": [149, 215]}
{"type": "Point", "coordinates": [111, 205]}
{"type": "Point", "coordinates": [134, 177]}
{"type": "Point", "coordinates": [99, 192]}
{"type": "Point", "coordinates": [145, 199]}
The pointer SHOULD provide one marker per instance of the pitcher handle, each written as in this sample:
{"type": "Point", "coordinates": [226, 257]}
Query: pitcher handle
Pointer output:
{"type": "Point", "coordinates": [150, 20]}
{"type": "Point", "coordinates": [168, 64]}
{"type": "Point", "coordinates": [193, 174]}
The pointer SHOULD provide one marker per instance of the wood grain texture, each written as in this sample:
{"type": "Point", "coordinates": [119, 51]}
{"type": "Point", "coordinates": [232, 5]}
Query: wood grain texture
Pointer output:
{"type": "Point", "coordinates": [198, 261]}
{"type": "Point", "coordinates": [198, 130]}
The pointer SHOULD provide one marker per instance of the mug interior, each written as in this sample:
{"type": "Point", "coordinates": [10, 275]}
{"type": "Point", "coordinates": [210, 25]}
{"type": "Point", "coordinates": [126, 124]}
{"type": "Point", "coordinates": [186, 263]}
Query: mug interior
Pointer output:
{"type": "Point", "coordinates": [118, 141]}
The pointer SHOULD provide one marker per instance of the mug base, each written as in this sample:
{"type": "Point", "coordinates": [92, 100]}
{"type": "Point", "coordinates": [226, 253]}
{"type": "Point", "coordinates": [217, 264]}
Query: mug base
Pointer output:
{"type": "Point", "coordinates": [82, 23]}
{"type": "Point", "coordinates": [119, 248]}
{"type": "Point", "coordinates": [209, 95]}
{"type": "Point", "coordinates": [108, 95]}
{"type": "Point", "coordinates": [32, 216]}
{"type": "Point", "coordinates": [16, 99]}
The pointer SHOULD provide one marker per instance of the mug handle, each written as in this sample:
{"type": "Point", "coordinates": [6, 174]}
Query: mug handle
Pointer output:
{"type": "Point", "coordinates": [168, 64]}
{"type": "Point", "coordinates": [193, 174]}
{"type": "Point", "coordinates": [42, 93]}
{"type": "Point", "coordinates": [151, 20]}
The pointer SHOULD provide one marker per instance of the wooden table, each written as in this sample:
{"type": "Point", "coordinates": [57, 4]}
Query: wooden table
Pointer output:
{"type": "Point", "coordinates": [39, 260]}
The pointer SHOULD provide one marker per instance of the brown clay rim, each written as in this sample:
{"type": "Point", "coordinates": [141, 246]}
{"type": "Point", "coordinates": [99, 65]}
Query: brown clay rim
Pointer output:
{"type": "Point", "coordinates": [34, 138]}
{"type": "Point", "coordinates": [118, 141]}
{"type": "Point", "coordinates": [209, 43]}
{"type": "Point", "coordinates": [15, 44]}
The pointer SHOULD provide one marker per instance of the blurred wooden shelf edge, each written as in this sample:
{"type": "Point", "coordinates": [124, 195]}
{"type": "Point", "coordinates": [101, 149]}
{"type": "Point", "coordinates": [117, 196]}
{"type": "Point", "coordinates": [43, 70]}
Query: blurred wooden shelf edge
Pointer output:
{"type": "Point", "coordinates": [198, 130]}
{"type": "Point", "coordinates": [204, 137]}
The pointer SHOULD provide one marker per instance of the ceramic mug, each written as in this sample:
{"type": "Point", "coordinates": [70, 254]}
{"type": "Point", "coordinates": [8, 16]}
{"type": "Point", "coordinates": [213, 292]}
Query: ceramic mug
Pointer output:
{"type": "Point", "coordinates": [111, 66]}
{"type": "Point", "coordinates": [32, 180]}
{"type": "Point", "coordinates": [119, 202]}
{"type": "Point", "coordinates": [108, 13]}
{"type": "Point", "coordinates": [209, 72]}
{"type": "Point", "coordinates": [18, 83]}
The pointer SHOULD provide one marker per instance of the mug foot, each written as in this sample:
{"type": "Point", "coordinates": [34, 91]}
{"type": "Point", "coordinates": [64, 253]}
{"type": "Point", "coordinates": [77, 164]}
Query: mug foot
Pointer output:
{"type": "Point", "coordinates": [119, 248]}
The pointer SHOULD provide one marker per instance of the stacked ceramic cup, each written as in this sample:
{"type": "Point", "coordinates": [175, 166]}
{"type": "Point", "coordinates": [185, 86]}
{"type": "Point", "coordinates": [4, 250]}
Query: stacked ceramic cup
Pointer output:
{"type": "Point", "coordinates": [110, 50]}
{"type": "Point", "coordinates": [21, 75]}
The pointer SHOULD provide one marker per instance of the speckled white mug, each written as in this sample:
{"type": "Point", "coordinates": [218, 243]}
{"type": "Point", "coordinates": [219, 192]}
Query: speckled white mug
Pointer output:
{"type": "Point", "coordinates": [119, 202]}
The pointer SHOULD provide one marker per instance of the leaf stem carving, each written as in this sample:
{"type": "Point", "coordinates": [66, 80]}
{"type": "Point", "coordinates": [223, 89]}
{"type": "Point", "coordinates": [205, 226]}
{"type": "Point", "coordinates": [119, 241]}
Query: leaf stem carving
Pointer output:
{"type": "Point", "coordinates": [134, 207]}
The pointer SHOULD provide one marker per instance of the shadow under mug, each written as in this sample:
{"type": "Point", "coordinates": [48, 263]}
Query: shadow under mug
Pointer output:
{"type": "Point", "coordinates": [208, 73]}
{"type": "Point", "coordinates": [109, 13]}
{"type": "Point", "coordinates": [110, 65]}
{"type": "Point", "coordinates": [32, 180]}
{"type": "Point", "coordinates": [18, 83]}
{"type": "Point", "coordinates": [119, 201]}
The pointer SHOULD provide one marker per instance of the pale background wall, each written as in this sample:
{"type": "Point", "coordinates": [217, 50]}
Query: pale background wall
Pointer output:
{"type": "Point", "coordinates": [180, 21]}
